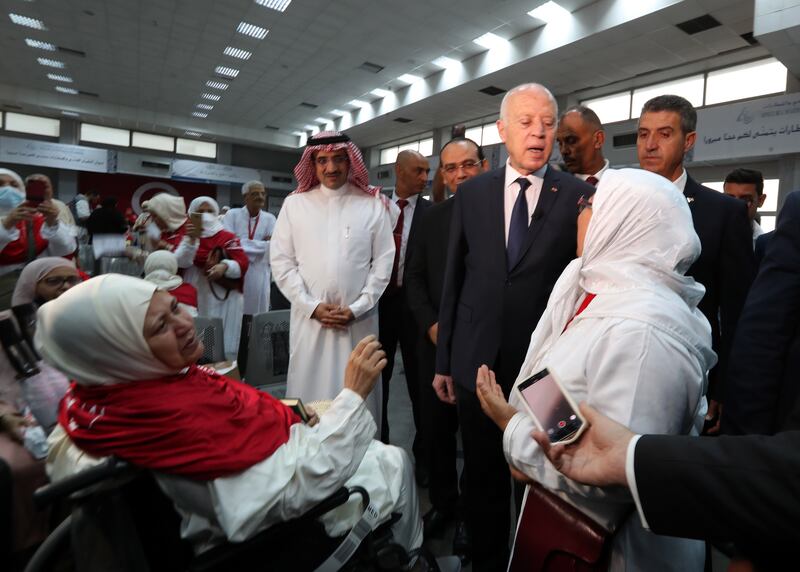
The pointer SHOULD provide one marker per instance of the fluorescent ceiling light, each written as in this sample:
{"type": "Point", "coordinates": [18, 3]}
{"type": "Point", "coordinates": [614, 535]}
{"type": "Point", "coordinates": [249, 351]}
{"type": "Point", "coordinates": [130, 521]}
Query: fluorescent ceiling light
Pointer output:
{"type": "Point", "coordinates": [205, 106]}
{"type": "Point", "coordinates": [50, 63]}
{"type": "Point", "coordinates": [199, 114]}
{"type": "Point", "coordinates": [489, 41]}
{"type": "Point", "coordinates": [409, 78]}
{"type": "Point", "coordinates": [380, 92]}
{"type": "Point", "coordinates": [192, 133]}
{"type": "Point", "coordinates": [221, 85]}
{"type": "Point", "coordinates": [358, 103]}
{"type": "Point", "coordinates": [310, 127]}
{"type": "Point", "coordinates": [69, 90]}
{"type": "Point", "coordinates": [56, 77]}
{"type": "Point", "coordinates": [237, 53]}
{"type": "Point", "coordinates": [279, 5]}
{"type": "Point", "coordinates": [322, 120]}
{"type": "Point", "coordinates": [338, 112]}
{"type": "Point", "coordinates": [71, 113]}
{"type": "Point", "coordinates": [211, 96]}
{"type": "Point", "coordinates": [40, 45]}
{"type": "Point", "coordinates": [299, 133]}
{"type": "Point", "coordinates": [228, 72]}
{"type": "Point", "coordinates": [27, 22]}
{"type": "Point", "coordinates": [446, 63]}
{"type": "Point", "coordinates": [252, 30]}
{"type": "Point", "coordinates": [549, 12]}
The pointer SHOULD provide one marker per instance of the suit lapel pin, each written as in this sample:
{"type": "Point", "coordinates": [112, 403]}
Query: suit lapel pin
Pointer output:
{"type": "Point", "coordinates": [553, 189]}
{"type": "Point", "coordinates": [690, 200]}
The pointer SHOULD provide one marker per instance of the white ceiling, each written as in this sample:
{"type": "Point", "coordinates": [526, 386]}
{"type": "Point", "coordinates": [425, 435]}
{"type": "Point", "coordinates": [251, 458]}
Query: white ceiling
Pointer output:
{"type": "Point", "coordinates": [148, 60]}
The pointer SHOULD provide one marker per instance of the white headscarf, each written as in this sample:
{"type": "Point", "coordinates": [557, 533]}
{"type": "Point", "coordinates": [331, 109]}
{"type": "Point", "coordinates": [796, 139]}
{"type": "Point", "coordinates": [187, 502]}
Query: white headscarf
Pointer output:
{"type": "Point", "coordinates": [639, 244]}
{"type": "Point", "coordinates": [161, 268]}
{"type": "Point", "coordinates": [211, 223]}
{"type": "Point", "coordinates": [94, 332]}
{"type": "Point", "coordinates": [169, 208]}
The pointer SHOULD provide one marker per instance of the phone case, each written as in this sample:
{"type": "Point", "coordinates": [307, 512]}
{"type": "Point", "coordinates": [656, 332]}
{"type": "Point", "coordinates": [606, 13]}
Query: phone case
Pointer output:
{"type": "Point", "coordinates": [575, 436]}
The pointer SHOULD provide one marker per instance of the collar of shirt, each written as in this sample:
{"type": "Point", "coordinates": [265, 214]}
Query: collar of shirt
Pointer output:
{"type": "Point", "coordinates": [328, 192]}
{"type": "Point", "coordinates": [757, 230]}
{"type": "Point", "coordinates": [596, 175]}
{"type": "Point", "coordinates": [680, 182]}
{"type": "Point", "coordinates": [512, 175]}
{"type": "Point", "coordinates": [512, 190]}
{"type": "Point", "coordinates": [412, 200]}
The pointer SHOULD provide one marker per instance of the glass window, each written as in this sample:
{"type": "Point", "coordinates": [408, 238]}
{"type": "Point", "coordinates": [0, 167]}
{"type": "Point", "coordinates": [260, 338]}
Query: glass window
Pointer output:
{"type": "Point", "coordinates": [150, 141]}
{"type": "Point", "coordinates": [747, 80]}
{"type": "Point", "coordinates": [491, 135]}
{"type": "Point", "coordinates": [426, 147]}
{"type": "Point", "coordinates": [690, 88]}
{"type": "Point", "coordinates": [771, 190]}
{"type": "Point", "coordinates": [768, 223]}
{"type": "Point", "coordinates": [716, 185]}
{"type": "Point", "coordinates": [196, 148]}
{"type": "Point", "coordinates": [105, 135]}
{"type": "Point", "coordinates": [388, 155]}
{"type": "Point", "coordinates": [32, 124]}
{"type": "Point", "coordinates": [1, 120]}
{"type": "Point", "coordinates": [475, 133]}
{"type": "Point", "coordinates": [611, 108]}
{"type": "Point", "coordinates": [411, 146]}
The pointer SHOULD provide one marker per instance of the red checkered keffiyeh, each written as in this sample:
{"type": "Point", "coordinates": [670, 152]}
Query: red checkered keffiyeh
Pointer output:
{"type": "Point", "coordinates": [306, 174]}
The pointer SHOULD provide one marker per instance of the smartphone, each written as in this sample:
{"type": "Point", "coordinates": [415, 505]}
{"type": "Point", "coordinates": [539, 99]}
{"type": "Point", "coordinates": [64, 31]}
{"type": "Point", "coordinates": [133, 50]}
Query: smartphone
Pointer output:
{"type": "Point", "coordinates": [551, 407]}
{"type": "Point", "coordinates": [197, 223]}
{"type": "Point", "coordinates": [35, 190]}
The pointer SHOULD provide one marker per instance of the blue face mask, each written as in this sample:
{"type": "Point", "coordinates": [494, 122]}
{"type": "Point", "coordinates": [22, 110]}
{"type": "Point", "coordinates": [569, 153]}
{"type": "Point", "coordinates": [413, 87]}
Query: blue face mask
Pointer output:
{"type": "Point", "coordinates": [10, 198]}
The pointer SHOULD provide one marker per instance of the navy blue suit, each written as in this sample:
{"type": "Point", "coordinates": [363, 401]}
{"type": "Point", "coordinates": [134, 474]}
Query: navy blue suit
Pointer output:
{"type": "Point", "coordinates": [486, 316]}
{"type": "Point", "coordinates": [764, 375]}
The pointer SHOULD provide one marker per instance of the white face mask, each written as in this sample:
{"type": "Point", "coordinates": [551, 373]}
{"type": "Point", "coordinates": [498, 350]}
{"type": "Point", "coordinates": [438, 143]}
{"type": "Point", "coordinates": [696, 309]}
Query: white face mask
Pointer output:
{"type": "Point", "coordinates": [10, 198]}
{"type": "Point", "coordinates": [209, 219]}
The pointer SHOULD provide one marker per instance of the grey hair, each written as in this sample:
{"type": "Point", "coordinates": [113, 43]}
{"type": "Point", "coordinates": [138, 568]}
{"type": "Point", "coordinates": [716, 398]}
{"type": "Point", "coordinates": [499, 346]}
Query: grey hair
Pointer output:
{"type": "Point", "coordinates": [250, 184]}
{"type": "Point", "coordinates": [527, 87]}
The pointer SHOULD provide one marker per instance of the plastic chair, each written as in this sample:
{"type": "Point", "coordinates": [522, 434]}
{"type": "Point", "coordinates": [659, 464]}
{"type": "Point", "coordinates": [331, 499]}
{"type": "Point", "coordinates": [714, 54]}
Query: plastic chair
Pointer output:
{"type": "Point", "coordinates": [210, 332]}
{"type": "Point", "coordinates": [268, 350]}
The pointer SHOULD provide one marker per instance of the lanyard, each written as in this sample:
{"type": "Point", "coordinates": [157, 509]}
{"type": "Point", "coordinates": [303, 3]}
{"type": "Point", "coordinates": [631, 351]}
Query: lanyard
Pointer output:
{"type": "Point", "coordinates": [251, 232]}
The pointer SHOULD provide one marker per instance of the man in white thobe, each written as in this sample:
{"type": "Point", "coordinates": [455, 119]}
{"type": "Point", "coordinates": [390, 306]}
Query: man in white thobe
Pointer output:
{"type": "Point", "coordinates": [254, 227]}
{"type": "Point", "coordinates": [331, 253]}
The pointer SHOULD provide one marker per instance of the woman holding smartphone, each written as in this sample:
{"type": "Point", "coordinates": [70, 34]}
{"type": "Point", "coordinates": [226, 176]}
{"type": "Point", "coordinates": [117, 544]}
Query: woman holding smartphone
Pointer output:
{"type": "Point", "coordinates": [622, 332]}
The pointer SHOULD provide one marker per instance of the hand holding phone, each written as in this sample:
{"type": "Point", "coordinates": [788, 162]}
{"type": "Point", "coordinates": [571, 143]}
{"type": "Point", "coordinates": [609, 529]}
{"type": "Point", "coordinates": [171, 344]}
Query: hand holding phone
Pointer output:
{"type": "Point", "coordinates": [35, 191]}
{"type": "Point", "coordinates": [197, 224]}
{"type": "Point", "coordinates": [552, 408]}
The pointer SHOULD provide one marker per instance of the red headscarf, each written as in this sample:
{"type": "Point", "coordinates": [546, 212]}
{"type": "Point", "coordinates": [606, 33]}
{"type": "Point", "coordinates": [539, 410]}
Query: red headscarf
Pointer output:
{"type": "Point", "coordinates": [306, 173]}
{"type": "Point", "coordinates": [199, 425]}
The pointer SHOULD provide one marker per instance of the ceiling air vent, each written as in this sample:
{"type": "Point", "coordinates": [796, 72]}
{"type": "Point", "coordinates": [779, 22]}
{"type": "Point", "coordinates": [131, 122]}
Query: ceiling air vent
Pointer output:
{"type": "Point", "coordinates": [625, 140]}
{"type": "Point", "coordinates": [279, 179]}
{"type": "Point", "coordinates": [71, 52]}
{"type": "Point", "coordinates": [89, 93]}
{"type": "Point", "coordinates": [750, 39]}
{"type": "Point", "coordinates": [154, 165]}
{"type": "Point", "coordinates": [383, 175]}
{"type": "Point", "coordinates": [308, 105]}
{"type": "Point", "coordinates": [402, 120]}
{"type": "Point", "coordinates": [697, 25]}
{"type": "Point", "coordinates": [370, 67]}
{"type": "Point", "coordinates": [492, 90]}
{"type": "Point", "coordinates": [271, 127]}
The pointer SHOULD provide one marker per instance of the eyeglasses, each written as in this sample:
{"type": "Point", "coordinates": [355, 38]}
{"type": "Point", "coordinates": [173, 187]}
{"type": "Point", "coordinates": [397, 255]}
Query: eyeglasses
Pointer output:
{"type": "Point", "coordinates": [585, 202]}
{"type": "Point", "coordinates": [59, 281]}
{"type": "Point", "coordinates": [336, 160]}
{"type": "Point", "coordinates": [749, 201]}
{"type": "Point", "coordinates": [466, 165]}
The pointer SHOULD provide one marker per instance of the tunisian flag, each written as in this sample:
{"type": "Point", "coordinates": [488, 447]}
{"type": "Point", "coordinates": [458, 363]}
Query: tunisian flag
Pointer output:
{"type": "Point", "coordinates": [132, 190]}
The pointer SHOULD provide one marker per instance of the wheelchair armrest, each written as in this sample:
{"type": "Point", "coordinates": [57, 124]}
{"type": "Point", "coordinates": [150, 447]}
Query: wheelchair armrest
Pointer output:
{"type": "Point", "coordinates": [111, 467]}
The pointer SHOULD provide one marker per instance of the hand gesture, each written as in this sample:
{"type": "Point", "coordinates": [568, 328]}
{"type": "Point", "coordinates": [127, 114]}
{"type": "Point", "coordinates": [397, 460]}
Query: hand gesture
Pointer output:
{"type": "Point", "coordinates": [50, 212]}
{"type": "Point", "coordinates": [443, 386]}
{"type": "Point", "coordinates": [493, 402]}
{"type": "Point", "coordinates": [22, 213]}
{"type": "Point", "coordinates": [217, 271]}
{"type": "Point", "coordinates": [366, 362]}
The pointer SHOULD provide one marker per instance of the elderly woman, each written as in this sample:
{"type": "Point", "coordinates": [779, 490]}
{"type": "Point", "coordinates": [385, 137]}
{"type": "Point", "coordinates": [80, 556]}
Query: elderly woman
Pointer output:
{"type": "Point", "coordinates": [27, 231]}
{"type": "Point", "coordinates": [215, 264]}
{"type": "Point", "coordinates": [168, 214]}
{"type": "Point", "coordinates": [622, 332]}
{"type": "Point", "coordinates": [161, 268]}
{"type": "Point", "coordinates": [45, 279]}
{"type": "Point", "coordinates": [233, 459]}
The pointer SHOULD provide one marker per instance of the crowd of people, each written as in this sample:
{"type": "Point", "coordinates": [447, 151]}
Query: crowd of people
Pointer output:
{"type": "Point", "coordinates": [659, 304]}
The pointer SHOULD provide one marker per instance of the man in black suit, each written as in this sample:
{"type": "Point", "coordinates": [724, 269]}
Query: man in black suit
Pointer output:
{"type": "Point", "coordinates": [459, 160]}
{"type": "Point", "coordinates": [763, 393]}
{"type": "Point", "coordinates": [396, 324]}
{"type": "Point", "coordinates": [513, 231]}
{"type": "Point", "coordinates": [726, 265]}
{"type": "Point", "coordinates": [740, 489]}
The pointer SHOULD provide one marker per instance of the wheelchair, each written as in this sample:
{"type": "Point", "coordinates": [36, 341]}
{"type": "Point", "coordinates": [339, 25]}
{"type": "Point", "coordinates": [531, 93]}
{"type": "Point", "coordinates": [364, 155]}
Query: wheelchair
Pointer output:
{"type": "Point", "coordinates": [120, 520]}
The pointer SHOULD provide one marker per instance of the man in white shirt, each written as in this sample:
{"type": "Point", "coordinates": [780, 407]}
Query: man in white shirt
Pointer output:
{"type": "Point", "coordinates": [331, 255]}
{"type": "Point", "coordinates": [580, 139]}
{"type": "Point", "coordinates": [747, 185]}
{"type": "Point", "coordinates": [254, 227]}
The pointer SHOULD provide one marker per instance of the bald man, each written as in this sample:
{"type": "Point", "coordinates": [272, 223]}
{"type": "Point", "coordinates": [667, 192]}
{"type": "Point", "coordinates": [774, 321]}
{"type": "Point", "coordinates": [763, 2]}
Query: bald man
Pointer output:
{"type": "Point", "coordinates": [397, 324]}
{"type": "Point", "coordinates": [580, 139]}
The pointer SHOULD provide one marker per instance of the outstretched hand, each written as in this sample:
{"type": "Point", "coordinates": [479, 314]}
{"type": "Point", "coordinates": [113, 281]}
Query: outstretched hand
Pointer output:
{"type": "Point", "coordinates": [493, 401]}
{"type": "Point", "coordinates": [598, 457]}
{"type": "Point", "coordinates": [365, 364]}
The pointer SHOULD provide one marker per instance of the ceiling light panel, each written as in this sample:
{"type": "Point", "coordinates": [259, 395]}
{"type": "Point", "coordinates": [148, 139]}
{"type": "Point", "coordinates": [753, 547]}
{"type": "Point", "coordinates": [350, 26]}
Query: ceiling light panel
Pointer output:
{"type": "Point", "coordinates": [199, 114]}
{"type": "Point", "coordinates": [27, 22]}
{"type": "Point", "coordinates": [50, 63]}
{"type": "Point", "coordinates": [62, 78]}
{"type": "Point", "coordinates": [70, 114]}
{"type": "Point", "coordinates": [358, 103]}
{"type": "Point", "coordinates": [226, 71]}
{"type": "Point", "coordinates": [380, 92]}
{"type": "Point", "coordinates": [221, 85]}
{"type": "Point", "coordinates": [310, 127]}
{"type": "Point", "coordinates": [409, 78]}
{"type": "Point", "coordinates": [69, 90]}
{"type": "Point", "coordinates": [279, 5]}
{"type": "Point", "coordinates": [192, 133]}
{"type": "Point", "coordinates": [252, 30]}
{"type": "Point", "coordinates": [38, 44]}
{"type": "Point", "coordinates": [211, 96]}
{"type": "Point", "coordinates": [489, 41]}
{"type": "Point", "coordinates": [338, 112]}
{"type": "Point", "coordinates": [237, 53]}
{"type": "Point", "coordinates": [550, 12]}
{"type": "Point", "coordinates": [446, 63]}
{"type": "Point", "coordinates": [205, 106]}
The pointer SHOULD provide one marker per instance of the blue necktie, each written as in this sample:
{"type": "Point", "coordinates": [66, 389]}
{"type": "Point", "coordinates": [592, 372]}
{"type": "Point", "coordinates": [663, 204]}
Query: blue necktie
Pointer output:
{"type": "Point", "coordinates": [518, 229]}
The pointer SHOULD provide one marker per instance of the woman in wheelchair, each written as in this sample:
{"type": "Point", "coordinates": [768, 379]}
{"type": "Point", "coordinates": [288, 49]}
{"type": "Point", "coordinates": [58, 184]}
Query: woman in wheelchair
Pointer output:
{"type": "Point", "coordinates": [233, 460]}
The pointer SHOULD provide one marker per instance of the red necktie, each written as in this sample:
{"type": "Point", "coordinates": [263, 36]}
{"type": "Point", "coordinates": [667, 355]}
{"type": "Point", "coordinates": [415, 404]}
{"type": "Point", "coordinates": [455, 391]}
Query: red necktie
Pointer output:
{"type": "Point", "coordinates": [398, 241]}
{"type": "Point", "coordinates": [592, 180]}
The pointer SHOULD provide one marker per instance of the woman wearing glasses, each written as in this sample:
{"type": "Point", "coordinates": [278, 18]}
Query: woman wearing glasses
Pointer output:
{"type": "Point", "coordinates": [45, 279]}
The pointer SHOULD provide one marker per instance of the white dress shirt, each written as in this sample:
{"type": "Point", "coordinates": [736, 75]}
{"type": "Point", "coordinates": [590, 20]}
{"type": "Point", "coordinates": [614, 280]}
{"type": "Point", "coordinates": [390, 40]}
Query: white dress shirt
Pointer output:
{"type": "Point", "coordinates": [596, 175]}
{"type": "Point", "coordinates": [512, 190]}
{"type": "Point", "coordinates": [408, 215]}
{"type": "Point", "coordinates": [680, 182]}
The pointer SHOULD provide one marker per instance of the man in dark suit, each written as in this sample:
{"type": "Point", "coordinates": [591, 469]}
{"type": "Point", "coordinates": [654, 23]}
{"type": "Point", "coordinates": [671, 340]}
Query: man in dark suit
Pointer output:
{"type": "Point", "coordinates": [726, 265]}
{"type": "Point", "coordinates": [763, 393]}
{"type": "Point", "coordinates": [459, 160]}
{"type": "Point", "coordinates": [740, 489]}
{"type": "Point", "coordinates": [396, 324]}
{"type": "Point", "coordinates": [513, 231]}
